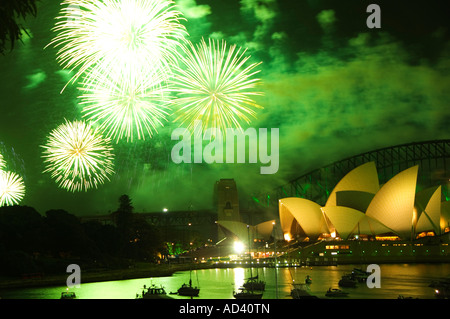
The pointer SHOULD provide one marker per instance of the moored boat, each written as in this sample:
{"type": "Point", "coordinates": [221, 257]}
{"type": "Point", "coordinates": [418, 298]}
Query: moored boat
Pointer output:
{"type": "Point", "coordinates": [188, 290]}
{"type": "Point", "coordinates": [360, 275]}
{"type": "Point", "coordinates": [153, 292]}
{"type": "Point", "coordinates": [247, 294]}
{"type": "Point", "coordinates": [334, 292]}
{"type": "Point", "coordinates": [441, 288]}
{"type": "Point", "coordinates": [253, 283]}
{"type": "Point", "coordinates": [347, 281]}
{"type": "Point", "coordinates": [68, 295]}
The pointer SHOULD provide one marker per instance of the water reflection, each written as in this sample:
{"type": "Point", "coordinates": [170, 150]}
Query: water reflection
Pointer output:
{"type": "Point", "coordinates": [239, 277]}
{"type": "Point", "coordinates": [399, 279]}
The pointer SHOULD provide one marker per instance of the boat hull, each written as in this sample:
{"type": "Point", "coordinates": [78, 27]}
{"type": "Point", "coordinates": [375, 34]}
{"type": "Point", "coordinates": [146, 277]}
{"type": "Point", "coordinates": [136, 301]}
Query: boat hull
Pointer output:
{"type": "Point", "coordinates": [248, 295]}
{"type": "Point", "coordinates": [255, 285]}
{"type": "Point", "coordinates": [188, 291]}
{"type": "Point", "coordinates": [336, 293]}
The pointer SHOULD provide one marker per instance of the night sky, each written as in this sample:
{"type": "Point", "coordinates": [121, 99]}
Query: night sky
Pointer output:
{"type": "Point", "coordinates": [333, 87]}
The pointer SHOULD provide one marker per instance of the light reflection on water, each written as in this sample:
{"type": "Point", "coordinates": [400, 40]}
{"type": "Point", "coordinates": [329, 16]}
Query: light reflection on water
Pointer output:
{"type": "Point", "coordinates": [409, 280]}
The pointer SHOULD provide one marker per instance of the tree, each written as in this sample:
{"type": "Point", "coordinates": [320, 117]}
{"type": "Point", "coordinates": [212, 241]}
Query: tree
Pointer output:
{"type": "Point", "coordinates": [124, 220]}
{"type": "Point", "coordinates": [10, 12]}
{"type": "Point", "coordinates": [105, 237]}
{"type": "Point", "coordinates": [22, 237]}
{"type": "Point", "coordinates": [21, 228]}
{"type": "Point", "coordinates": [125, 204]}
{"type": "Point", "coordinates": [124, 215]}
{"type": "Point", "coordinates": [66, 234]}
{"type": "Point", "coordinates": [139, 240]}
{"type": "Point", "coordinates": [145, 240]}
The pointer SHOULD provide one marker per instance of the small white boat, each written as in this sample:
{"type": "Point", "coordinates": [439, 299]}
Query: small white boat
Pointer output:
{"type": "Point", "coordinates": [153, 292]}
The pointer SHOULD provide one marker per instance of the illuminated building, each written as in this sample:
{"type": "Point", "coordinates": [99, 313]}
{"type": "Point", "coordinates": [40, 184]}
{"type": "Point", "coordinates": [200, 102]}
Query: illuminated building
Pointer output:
{"type": "Point", "coordinates": [227, 201]}
{"type": "Point", "coordinates": [359, 207]}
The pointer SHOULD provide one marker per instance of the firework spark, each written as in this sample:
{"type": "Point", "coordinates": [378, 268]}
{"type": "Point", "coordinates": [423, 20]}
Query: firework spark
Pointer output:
{"type": "Point", "coordinates": [78, 157]}
{"type": "Point", "coordinates": [126, 105]}
{"type": "Point", "coordinates": [118, 34]}
{"type": "Point", "coordinates": [214, 86]}
{"type": "Point", "coordinates": [2, 162]}
{"type": "Point", "coordinates": [12, 188]}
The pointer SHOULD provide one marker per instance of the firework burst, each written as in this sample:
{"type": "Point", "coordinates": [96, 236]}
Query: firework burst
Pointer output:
{"type": "Point", "coordinates": [12, 188]}
{"type": "Point", "coordinates": [78, 157]}
{"type": "Point", "coordinates": [126, 106]}
{"type": "Point", "coordinates": [213, 86]}
{"type": "Point", "coordinates": [118, 34]}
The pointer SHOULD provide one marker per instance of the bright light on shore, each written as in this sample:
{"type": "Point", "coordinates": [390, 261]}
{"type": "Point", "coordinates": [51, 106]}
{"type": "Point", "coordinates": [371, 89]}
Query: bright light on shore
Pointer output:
{"type": "Point", "coordinates": [239, 247]}
{"type": "Point", "coordinates": [287, 237]}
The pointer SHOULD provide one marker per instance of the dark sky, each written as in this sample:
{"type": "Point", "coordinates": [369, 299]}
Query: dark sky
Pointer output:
{"type": "Point", "coordinates": [332, 86]}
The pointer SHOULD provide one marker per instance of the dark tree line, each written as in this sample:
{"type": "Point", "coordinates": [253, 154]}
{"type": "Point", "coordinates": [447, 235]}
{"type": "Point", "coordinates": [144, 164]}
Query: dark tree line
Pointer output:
{"type": "Point", "coordinates": [32, 243]}
{"type": "Point", "coordinates": [11, 14]}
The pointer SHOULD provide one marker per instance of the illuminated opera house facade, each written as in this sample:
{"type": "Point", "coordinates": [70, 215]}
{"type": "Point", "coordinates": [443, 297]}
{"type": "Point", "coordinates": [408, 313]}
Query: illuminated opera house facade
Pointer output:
{"type": "Point", "coordinates": [390, 221]}
{"type": "Point", "coordinates": [361, 220]}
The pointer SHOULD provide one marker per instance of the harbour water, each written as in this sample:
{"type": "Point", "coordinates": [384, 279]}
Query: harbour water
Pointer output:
{"type": "Point", "coordinates": [407, 280]}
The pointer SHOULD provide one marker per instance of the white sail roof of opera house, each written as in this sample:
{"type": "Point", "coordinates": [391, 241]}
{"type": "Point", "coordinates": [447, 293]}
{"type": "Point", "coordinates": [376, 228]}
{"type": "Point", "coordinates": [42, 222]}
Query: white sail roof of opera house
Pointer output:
{"type": "Point", "coordinates": [264, 229]}
{"type": "Point", "coordinates": [243, 231]}
{"type": "Point", "coordinates": [363, 178]}
{"type": "Point", "coordinates": [348, 221]}
{"type": "Point", "coordinates": [393, 204]}
{"type": "Point", "coordinates": [344, 226]}
{"type": "Point", "coordinates": [370, 226]}
{"type": "Point", "coordinates": [307, 213]}
{"type": "Point", "coordinates": [428, 210]}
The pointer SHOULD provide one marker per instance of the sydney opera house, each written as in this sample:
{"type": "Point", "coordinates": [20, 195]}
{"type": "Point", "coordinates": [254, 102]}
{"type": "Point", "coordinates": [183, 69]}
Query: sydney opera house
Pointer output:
{"type": "Point", "coordinates": [360, 210]}
{"type": "Point", "coordinates": [360, 206]}
{"type": "Point", "coordinates": [362, 220]}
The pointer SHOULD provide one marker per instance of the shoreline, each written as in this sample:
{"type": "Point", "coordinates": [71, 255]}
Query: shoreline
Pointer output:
{"type": "Point", "coordinates": [147, 271]}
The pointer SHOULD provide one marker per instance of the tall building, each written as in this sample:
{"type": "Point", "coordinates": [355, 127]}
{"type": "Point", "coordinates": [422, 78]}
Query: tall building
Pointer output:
{"type": "Point", "coordinates": [227, 203]}
{"type": "Point", "coordinates": [227, 200]}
